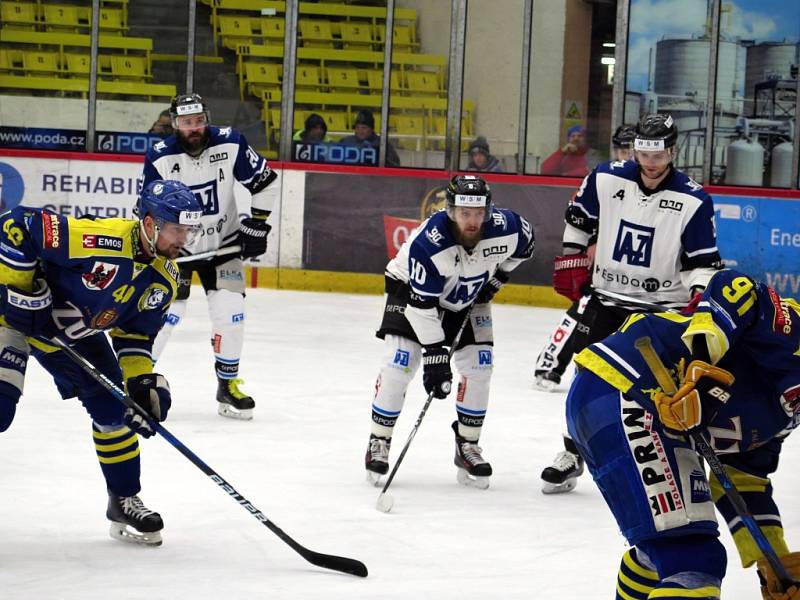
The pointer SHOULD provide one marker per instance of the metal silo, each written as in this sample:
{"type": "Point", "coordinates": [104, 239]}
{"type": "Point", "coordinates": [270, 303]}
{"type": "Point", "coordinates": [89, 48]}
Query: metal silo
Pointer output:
{"type": "Point", "coordinates": [769, 60]}
{"type": "Point", "coordinates": [745, 163]}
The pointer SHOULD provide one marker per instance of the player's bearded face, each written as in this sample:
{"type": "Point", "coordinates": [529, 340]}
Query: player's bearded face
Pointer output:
{"type": "Point", "coordinates": [192, 130]}
{"type": "Point", "coordinates": [171, 238]}
{"type": "Point", "coordinates": [469, 222]}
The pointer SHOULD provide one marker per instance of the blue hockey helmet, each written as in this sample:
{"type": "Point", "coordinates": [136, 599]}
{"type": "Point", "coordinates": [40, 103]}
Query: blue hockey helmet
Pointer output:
{"type": "Point", "coordinates": [468, 191]}
{"type": "Point", "coordinates": [175, 210]}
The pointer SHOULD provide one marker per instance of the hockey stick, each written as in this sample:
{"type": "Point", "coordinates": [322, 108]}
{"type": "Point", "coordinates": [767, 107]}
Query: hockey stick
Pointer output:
{"type": "Point", "coordinates": [209, 254]}
{"type": "Point", "coordinates": [326, 561]}
{"type": "Point", "coordinates": [656, 366]}
{"type": "Point", "coordinates": [385, 501]}
{"type": "Point", "coordinates": [651, 306]}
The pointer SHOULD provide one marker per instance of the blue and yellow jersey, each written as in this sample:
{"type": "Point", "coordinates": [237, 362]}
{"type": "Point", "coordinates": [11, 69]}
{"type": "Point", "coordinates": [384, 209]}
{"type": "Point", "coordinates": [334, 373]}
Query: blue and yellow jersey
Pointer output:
{"type": "Point", "coordinates": [98, 280]}
{"type": "Point", "coordinates": [749, 330]}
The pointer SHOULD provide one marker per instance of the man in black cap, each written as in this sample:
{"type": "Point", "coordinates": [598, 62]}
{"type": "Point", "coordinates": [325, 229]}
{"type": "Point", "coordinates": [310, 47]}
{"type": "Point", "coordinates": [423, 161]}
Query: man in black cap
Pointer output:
{"type": "Point", "coordinates": [364, 135]}
{"type": "Point", "coordinates": [481, 159]}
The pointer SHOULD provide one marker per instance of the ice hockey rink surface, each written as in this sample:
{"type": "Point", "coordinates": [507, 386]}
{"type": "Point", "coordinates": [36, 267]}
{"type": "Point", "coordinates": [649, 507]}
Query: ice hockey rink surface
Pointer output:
{"type": "Point", "coordinates": [310, 361]}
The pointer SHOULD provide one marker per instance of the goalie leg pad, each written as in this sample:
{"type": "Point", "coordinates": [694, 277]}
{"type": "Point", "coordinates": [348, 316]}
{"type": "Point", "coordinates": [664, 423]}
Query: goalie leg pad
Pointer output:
{"type": "Point", "coordinates": [474, 363]}
{"type": "Point", "coordinates": [226, 309]}
{"type": "Point", "coordinates": [173, 318]}
{"type": "Point", "coordinates": [401, 359]}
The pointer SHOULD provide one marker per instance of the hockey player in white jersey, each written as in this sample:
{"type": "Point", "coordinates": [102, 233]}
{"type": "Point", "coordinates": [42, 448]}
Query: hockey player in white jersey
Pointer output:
{"type": "Point", "coordinates": [656, 242]}
{"type": "Point", "coordinates": [210, 160]}
{"type": "Point", "coordinates": [456, 257]}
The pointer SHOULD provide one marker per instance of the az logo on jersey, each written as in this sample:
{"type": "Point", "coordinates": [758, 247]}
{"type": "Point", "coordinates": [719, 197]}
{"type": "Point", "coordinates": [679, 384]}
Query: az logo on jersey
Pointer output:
{"type": "Point", "coordinates": [466, 289]}
{"type": "Point", "coordinates": [101, 276]}
{"type": "Point", "coordinates": [206, 194]}
{"type": "Point", "coordinates": [634, 244]}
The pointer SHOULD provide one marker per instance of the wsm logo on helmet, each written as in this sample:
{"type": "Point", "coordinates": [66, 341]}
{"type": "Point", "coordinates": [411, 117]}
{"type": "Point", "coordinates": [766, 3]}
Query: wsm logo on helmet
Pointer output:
{"type": "Point", "coordinates": [12, 187]}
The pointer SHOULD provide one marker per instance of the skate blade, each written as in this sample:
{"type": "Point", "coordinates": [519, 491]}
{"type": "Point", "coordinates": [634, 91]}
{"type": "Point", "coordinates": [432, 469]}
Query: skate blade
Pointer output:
{"type": "Point", "coordinates": [559, 488]}
{"type": "Point", "coordinates": [129, 535]}
{"type": "Point", "coordinates": [464, 478]}
{"type": "Point", "coordinates": [545, 386]}
{"type": "Point", "coordinates": [374, 479]}
{"type": "Point", "coordinates": [226, 410]}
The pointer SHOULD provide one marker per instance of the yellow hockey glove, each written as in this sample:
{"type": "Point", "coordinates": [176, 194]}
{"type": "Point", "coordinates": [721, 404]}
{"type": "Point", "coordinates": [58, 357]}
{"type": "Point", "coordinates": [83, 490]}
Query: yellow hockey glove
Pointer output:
{"type": "Point", "coordinates": [700, 396]}
{"type": "Point", "coordinates": [770, 585]}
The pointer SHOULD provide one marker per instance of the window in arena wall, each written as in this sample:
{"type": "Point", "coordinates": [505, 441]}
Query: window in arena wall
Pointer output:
{"type": "Point", "coordinates": [668, 66]}
{"type": "Point", "coordinates": [756, 93]}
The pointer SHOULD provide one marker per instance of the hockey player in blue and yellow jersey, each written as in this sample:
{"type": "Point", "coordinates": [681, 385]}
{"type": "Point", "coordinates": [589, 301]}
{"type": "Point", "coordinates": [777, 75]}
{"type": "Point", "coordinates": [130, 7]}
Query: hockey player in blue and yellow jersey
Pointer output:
{"type": "Point", "coordinates": [737, 368]}
{"type": "Point", "coordinates": [76, 279]}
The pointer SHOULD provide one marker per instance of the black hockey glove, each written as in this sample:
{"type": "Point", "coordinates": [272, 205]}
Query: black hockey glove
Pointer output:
{"type": "Point", "coordinates": [436, 374]}
{"type": "Point", "coordinates": [27, 312]}
{"type": "Point", "coordinates": [151, 393]}
{"type": "Point", "coordinates": [491, 287]}
{"type": "Point", "coordinates": [253, 233]}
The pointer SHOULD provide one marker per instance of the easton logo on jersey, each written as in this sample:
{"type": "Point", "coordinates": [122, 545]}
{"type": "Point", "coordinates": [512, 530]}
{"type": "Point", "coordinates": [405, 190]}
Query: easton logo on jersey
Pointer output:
{"type": "Point", "coordinates": [634, 244]}
{"type": "Point", "coordinates": [206, 194]}
{"type": "Point", "coordinates": [101, 275]}
{"type": "Point", "coordinates": [107, 242]}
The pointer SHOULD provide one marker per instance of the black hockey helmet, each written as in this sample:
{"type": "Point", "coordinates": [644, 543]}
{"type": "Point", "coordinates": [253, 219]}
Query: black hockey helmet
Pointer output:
{"type": "Point", "coordinates": [188, 104]}
{"type": "Point", "coordinates": [655, 132]}
{"type": "Point", "coordinates": [623, 137]}
{"type": "Point", "coordinates": [469, 191]}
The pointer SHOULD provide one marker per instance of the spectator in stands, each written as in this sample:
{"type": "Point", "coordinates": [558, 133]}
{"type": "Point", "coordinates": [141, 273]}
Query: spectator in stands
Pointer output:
{"type": "Point", "coordinates": [480, 159]}
{"type": "Point", "coordinates": [315, 130]}
{"type": "Point", "coordinates": [163, 125]}
{"type": "Point", "coordinates": [364, 134]}
{"type": "Point", "coordinates": [570, 160]}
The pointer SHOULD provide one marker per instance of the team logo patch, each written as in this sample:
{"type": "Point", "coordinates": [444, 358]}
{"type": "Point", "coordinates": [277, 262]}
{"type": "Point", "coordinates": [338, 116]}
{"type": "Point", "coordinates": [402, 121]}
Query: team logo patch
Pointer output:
{"type": "Point", "coordinates": [102, 242]}
{"type": "Point", "coordinates": [104, 319]}
{"type": "Point", "coordinates": [101, 276]}
{"type": "Point", "coordinates": [401, 358]}
{"type": "Point", "coordinates": [484, 358]}
{"type": "Point", "coordinates": [790, 401]}
{"type": "Point", "coordinates": [237, 318]}
{"type": "Point", "coordinates": [634, 244]}
{"type": "Point", "coordinates": [154, 297]}
{"type": "Point", "coordinates": [51, 229]}
{"type": "Point", "coordinates": [172, 319]}
{"type": "Point", "coordinates": [466, 289]}
{"type": "Point", "coordinates": [701, 492]}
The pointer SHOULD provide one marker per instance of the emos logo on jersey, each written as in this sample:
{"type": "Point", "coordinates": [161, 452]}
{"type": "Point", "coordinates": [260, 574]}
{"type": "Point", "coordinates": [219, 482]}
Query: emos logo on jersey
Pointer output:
{"type": "Point", "coordinates": [153, 297]}
{"type": "Point", "coordinates": [634, 244]}
{"type": "Point", "coordinates": [101, 276]}
{"type": "Point", "coordinates": [12, 187]}
{"type": "Point", "coordinates": [100, 242]}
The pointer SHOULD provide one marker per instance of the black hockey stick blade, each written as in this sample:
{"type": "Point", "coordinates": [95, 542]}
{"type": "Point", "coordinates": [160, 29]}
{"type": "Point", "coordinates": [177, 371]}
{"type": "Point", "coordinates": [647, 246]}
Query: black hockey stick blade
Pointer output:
{"type": "Point", "coordinates": [342, 564]}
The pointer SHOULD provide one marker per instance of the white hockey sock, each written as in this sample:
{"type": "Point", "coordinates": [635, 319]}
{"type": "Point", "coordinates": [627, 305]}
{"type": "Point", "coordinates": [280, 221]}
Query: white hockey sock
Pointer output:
{"type": "Point", "coordinates": [226, 310]}
{"type": "Point", "coordinates": [474, 364]}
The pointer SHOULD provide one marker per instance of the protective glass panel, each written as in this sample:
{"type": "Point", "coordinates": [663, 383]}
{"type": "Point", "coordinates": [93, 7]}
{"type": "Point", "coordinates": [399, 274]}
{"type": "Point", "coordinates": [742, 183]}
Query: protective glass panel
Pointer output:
{"type": "Point", "coordinates": [756, 93]}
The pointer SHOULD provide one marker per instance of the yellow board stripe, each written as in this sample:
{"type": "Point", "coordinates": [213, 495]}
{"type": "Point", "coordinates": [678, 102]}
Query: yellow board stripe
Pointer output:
{"type": "Point", "coordinates": [710, 591]}
{"type": "Point", "coordinates": [603, 369]}
{"type": "Point", "coordinates": [120, 458]}
{"type": "Point", "coordinates": [637, 568]}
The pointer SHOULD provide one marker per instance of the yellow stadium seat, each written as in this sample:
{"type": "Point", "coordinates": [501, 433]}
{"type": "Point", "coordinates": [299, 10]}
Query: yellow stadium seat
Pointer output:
{"type": "Point", "coordinates": [343, 78]}
{"type": "Point", "coordinates": [272, 28]}
{"type": "Point", "coordinates": [61, 17]}
{"type": "Point", "coordinates": [423, 81]}
{"type": "Point", "coordinates": [5, 61]}
{"type": "Point", "coordinates": [111, 20]}
{"type": "Point", "coordinates": [307, 76]}
{"type": "Point", "coordinates": [262, 73]}
{"type": "Point", "coordinates": [407, 125]}
{"type": "Point", "coordinates": [403, 38]}
{"type": "Point", "coordinates": [375, 79]}
{"type": "Point", "coordinates": [336, 122]}
{"type": "Point", "coordinates": [356, 36]}
{"type": "Point", "coordinates": [40, 62]}
{"type": "Point", "coordinates": [77, 65]}
{"type": "Point", "coordinates": [129, 67]}
{"type": "Point", "coordinates": [235, 30]}
{"type": "Point", "coordinates": [316, 33]}
{"type": "Point", "coordinates": [18, 15]}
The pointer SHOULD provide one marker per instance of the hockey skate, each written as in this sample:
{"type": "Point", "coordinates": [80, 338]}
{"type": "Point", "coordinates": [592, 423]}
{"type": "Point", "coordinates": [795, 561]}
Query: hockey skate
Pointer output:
{"type": "Point", "coordinates": [233, 402]}
{"type": "Point", "coordinates": [563, 475]}
{"type": "Point", "coordinates": [132, 521]}
{"type": "Point", "coordinates": [473, 471]}
{"type": "Point", "coordinates": [546, 381]}
{"type": "Point", "coordinates": [377, 458]}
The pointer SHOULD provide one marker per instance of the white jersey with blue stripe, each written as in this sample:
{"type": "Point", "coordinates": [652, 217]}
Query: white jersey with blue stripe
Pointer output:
{"type": "Point", "coordinates": [438, 268]}
{"type": "Point", "coordinates": [654, 245]}
{"type": "Point", "coordinates": [227, 158]}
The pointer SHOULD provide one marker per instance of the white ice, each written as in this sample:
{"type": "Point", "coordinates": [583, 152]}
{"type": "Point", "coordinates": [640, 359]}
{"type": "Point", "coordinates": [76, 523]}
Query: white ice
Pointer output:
{"type": "Point", "coordinates": [310, 362]}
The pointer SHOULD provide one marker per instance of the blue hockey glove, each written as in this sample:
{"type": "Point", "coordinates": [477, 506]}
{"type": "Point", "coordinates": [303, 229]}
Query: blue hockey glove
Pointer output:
{"type": "Point", "coordinates": [436, 374]}
{"type": "Point", "coordinates": [151, 393]}
{"type": "Point", "coordinates": [27, 312]}
{"type": "Point", "coordinates": [491, 287]}
{"type": "Point", "coordinates": [253, 233]}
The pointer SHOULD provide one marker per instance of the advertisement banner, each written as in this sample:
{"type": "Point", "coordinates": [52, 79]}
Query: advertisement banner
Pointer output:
{"type": "Point", "coordinates": [356, 227]}
{"type": "Point", "coordinates": [38, 138]}
{"type": "Point", "coordinates": [125, 142]}
{"type": "Point", "coordinates": [332, 153]}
